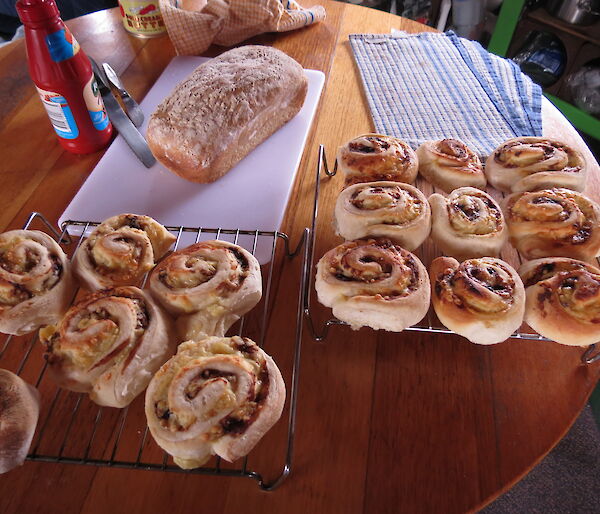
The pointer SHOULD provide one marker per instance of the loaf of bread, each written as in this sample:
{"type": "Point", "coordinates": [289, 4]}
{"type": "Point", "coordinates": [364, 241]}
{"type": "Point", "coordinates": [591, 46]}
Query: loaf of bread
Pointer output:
{"type": "Point", "coordinates": [225, 109]}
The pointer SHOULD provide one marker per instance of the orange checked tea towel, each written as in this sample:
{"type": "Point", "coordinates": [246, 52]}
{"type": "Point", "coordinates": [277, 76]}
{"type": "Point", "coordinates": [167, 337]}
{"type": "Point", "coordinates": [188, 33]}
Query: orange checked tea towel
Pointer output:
{"type": "Point", "coordinates": [193, 25]}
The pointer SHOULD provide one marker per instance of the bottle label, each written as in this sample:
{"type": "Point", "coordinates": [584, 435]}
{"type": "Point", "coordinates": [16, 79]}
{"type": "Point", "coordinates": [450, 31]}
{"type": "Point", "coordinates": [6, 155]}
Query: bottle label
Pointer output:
{"type": "Point", "coordinates": [62, 45]}
{"type": "Point", "coordinates": [60, 114]}
{"type": "Point", "coordinates": [95, 105]}
{"type": "Point", "coordinates": [142, 17]}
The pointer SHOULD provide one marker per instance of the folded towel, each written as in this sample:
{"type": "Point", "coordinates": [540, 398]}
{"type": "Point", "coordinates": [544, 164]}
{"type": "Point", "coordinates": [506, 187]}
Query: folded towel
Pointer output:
{"type": "Point", "coordinates": [435, 86]}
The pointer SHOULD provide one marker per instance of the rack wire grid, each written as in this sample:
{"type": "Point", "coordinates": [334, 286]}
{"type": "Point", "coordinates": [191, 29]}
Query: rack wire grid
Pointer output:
{"type": "Point", "coordinates": [429, 324]}
{"type": "Point", "coordinates": [74, 430]}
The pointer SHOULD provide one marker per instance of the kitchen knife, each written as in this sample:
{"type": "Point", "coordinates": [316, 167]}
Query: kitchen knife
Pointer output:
{"type": "Point", "coordinates": [121, 121]}
{"type": "Point", "coordinates": [133, 109]}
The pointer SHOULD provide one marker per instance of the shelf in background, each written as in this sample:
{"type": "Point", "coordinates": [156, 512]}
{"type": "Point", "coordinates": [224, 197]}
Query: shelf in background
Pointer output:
{"type": "Point", "coordinates": [589, 33]}
{"type": "Point", "coordinates": [510, 17]}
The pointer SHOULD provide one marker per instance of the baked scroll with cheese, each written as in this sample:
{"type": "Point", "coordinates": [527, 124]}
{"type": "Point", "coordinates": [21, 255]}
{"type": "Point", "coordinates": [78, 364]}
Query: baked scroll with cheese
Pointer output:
{"type": "Point", "coordinates": [377, 157]}
{"type": "Point", "coordinates": [120, 251]}
{"type": "Point", "coordinates": [399, 212]}
{"type": "Point", "coordinates": [468, 223]}
{"type": "Point", "coordinates": [217, 395]}
{"type": "Point", "coordinates": [208, 286]}
{"type": "Point", "coordinates": [450, 164]}
{"type": "Point", "coordinates": [480, 299]}
{"type": "Point", "coordinates": [532, 163]}
{"type": "Point", "coordinates": [373, 283]}
{"type": "Point", "coordinates": [36, 285]}
{"type": "Point", "coordinates": [563, 299]}
{"type": "Point", "coordinates": [554, 222]}
{"type": "Point", "coordinates": [109, 345]}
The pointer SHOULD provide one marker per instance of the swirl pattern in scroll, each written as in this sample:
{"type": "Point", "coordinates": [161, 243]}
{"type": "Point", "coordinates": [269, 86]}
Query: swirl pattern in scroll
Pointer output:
{"type": "Point", "coordinates": [399, 212]}
{"type": "Point", "coordinates": [36, 285]}
{"type": "Point", "coordinates": [377, 157]}
{"type": "Point", "coordinates": [109, 345]}
{"type": "Point", "coordinates": [215, 396]}
{"type": "Point", "coordinates": [481, 299]}
{"type": "Point", "coordinates": [373, 283]}
{"type": "Point", "coordinates": [208, 286]}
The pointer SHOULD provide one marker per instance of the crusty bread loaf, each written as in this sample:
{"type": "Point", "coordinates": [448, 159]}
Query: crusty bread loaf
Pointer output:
{"type": "Point", "coordinates": [225, 109]}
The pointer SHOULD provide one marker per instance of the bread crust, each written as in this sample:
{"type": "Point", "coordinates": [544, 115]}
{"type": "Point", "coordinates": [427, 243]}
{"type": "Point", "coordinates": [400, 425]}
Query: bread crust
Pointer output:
{"type": "Point", "coordinates": [563, 300]}
{"type": "Point", "coordinates": [225, 109]}
{"type": "Point", "coordinates": [480, 299]}
{"type": "Point", "coordinates": [19, 412]}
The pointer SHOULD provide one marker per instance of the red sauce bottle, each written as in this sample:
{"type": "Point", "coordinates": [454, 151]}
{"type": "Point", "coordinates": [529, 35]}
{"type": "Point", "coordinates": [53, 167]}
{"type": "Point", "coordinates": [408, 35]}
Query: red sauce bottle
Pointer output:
{"type": "Point", "coordinates": [64, 79]}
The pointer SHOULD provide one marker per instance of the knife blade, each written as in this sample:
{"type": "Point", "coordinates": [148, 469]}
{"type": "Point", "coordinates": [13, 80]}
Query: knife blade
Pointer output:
{"type": "Point", "coordinates": [121, 121]}
{"type": "Point", "coordinates": [133, 109]}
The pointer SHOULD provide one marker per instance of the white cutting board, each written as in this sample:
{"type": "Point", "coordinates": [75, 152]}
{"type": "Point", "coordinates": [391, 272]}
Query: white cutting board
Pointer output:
{"type": "Point", "coordinates": [252, 196]}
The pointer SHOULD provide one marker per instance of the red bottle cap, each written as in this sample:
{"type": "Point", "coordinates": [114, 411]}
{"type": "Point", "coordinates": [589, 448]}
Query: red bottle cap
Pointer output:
{"type": "Point", "coordinates": [37, 10]}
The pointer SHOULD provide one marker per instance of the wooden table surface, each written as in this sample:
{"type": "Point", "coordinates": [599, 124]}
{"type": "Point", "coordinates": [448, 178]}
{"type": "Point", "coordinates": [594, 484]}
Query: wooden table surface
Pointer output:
{"type": "Point", "coordinates": [410, 422]}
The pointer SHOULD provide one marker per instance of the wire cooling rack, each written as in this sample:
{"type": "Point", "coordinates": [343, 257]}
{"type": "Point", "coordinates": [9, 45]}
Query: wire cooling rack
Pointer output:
{"type": "Point", "coordinates": [429, 324]}
{"type": "Point", "coordinates": [72, 429]}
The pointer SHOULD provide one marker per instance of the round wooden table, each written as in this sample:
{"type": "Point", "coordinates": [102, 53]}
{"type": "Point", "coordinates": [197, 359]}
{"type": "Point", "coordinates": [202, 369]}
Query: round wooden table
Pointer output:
{"type": "Point", "coordinates": [410, 422]}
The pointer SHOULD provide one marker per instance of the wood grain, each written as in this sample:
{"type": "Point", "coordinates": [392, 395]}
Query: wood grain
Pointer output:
{"type": "Point", "coordinates": [386, 422]}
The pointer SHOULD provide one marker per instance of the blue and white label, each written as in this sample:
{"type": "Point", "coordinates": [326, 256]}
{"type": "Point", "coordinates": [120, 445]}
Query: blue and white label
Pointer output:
{"type": "Point", "coordinates": [60, 114]}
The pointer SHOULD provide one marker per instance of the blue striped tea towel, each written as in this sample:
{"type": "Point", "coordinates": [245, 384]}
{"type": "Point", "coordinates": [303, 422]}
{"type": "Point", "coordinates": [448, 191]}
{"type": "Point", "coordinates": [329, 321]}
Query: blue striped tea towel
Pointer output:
{"type": "Point", "coordinates": [435, 86]}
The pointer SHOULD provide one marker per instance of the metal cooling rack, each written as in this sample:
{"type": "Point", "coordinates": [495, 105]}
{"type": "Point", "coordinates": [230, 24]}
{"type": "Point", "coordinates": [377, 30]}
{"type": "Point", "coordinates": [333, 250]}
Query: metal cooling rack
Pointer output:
{"type": "Point", "coordinates": [429, 324]}
{"type": "Point", "coordinates": [72, 429]}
